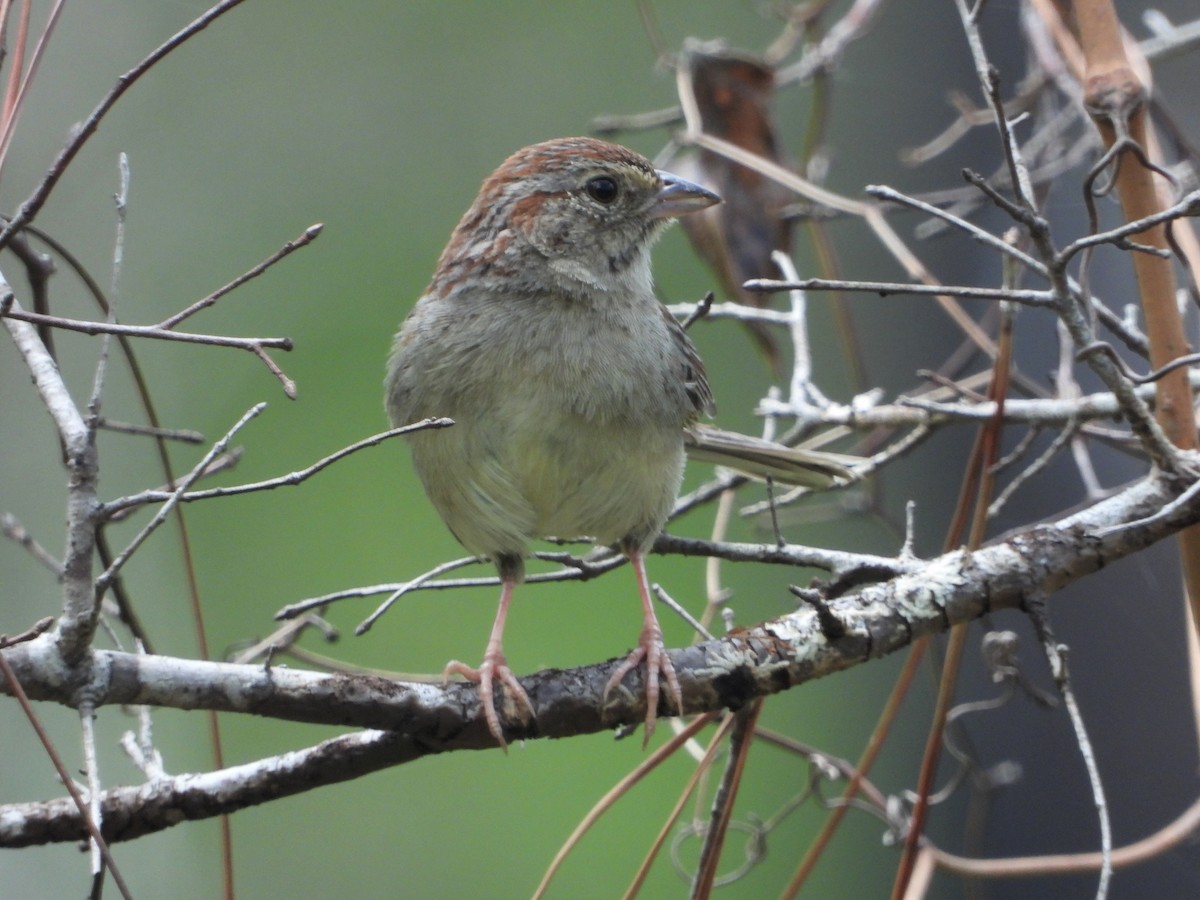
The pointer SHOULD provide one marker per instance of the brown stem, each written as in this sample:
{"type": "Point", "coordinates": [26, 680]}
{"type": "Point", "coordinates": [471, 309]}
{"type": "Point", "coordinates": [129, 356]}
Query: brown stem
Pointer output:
{"type": "Point", "coordinates": [1114, 97]}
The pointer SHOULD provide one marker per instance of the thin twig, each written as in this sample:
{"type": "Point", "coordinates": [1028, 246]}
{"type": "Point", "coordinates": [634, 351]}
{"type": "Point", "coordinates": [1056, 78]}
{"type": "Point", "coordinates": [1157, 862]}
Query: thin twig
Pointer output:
{"type": "Point", "coordinates": [888, 288]}
{"type": "Point", "coordinates": [114, 289]}
{"type": "Point", "coordinates": [15, 531]}
{"type": "Point", "coordinates": [292, 610]}
{"type": "Point", "coordinates": [674, 605]}
{"type": "Point", "coordinates": [106, 577]}
{"type": "Point", "coordinates": [1056, 656]}
{"type": "Point", "coordinates": [731, 310]}
{"type": "Point", "coordinates": [1188, 205]}
{"type": "Point", "coordinates": [310, 234]}
{"type": "Point", "coordinates": [155, 332]}
{"type": "Point", "coordinates": [221, 463]}
{"type": "Point", "coordinates": [1164, 514]}
{"type": "Point", "coordinates": [140, 747]}
{"type": "Point", "coordinates": [291, 479]}
{"type": "Point", "coordinates": [870, 214]}
{"type": "Point", "coordinates": [183, 435]}
{"type": "Point", "coordinates": [854, 24]}
{"type": "Point", "coordinates": [41, 626]}
{"type": "Point", "coordinates": [1037, 466]}
{"type": "Point", "coordinates": [87, 727]}
{"type": "Point", "coordinates": [1136, 342]}
{"type": "Point", "coordinates": [365, 625]}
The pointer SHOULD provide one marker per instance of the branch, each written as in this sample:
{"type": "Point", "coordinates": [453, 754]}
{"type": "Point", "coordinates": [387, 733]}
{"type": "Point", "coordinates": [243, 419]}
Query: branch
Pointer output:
{"type": "Point", "coordinates": [727, 673]}
{"type": "Point", "coordinates": [131, 812]}
{"type": "Point", "coordinates": [908, 411]}
{"type": "Point", "coordinates": [80, 610]}
{"type": "Point", "coordinates": [887, 288]}
{"type": "Point", "coordinates": [46, 377]}
{"type": "Point", "coordinates": [86, 819]}
{"type": "Point", "coordinates": [105, 580]}
{"type": "Point", "coordinates": [9, 309]}
{"type": "Point", "coordinates": [109, 510]}
{"type": "Point", "coordinates": [309, 235]}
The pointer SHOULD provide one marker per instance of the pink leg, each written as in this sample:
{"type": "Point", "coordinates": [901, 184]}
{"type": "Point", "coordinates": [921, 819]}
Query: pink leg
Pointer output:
{"type": "Point", "coordinates": [651, 649]}
{"type": "Point", "coordinates": [494, 667]}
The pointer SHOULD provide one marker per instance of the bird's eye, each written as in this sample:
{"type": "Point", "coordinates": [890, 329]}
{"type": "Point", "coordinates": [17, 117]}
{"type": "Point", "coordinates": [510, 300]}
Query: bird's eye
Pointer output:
{"type": "Point", "coordinates": [602, 189]}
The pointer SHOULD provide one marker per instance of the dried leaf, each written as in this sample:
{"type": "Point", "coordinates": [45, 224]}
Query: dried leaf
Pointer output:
{"type": "Point", "coordinates": [732, 93]}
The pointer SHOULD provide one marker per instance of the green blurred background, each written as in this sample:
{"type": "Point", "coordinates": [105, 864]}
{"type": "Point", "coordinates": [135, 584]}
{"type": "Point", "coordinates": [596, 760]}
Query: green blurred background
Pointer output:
{"type": "Point", "coordinates": [380, 120]}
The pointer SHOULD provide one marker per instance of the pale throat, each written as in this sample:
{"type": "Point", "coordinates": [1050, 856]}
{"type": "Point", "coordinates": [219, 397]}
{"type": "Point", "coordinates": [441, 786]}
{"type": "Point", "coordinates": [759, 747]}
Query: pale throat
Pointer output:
{"type": "Point", "coordinates": [633, 282]}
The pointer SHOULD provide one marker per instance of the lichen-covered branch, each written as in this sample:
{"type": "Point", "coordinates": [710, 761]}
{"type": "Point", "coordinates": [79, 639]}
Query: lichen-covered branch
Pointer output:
{"type": "Point", "coordinates": [431, 718]}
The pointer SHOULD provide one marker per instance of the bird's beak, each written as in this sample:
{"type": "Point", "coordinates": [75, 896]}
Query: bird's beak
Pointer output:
{"type": "Point", "coordinates": [678, 197]}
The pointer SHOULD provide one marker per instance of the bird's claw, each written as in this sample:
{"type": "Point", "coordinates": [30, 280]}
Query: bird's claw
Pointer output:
{"type": "Point", "coordinates": [493, 668]}
{"type": "Point", "coordinates": [653, 652]}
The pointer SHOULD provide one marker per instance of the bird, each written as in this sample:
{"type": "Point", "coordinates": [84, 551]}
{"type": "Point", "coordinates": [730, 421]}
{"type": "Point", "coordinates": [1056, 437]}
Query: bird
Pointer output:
{"type": "Point", "coordinates": [574, 393]}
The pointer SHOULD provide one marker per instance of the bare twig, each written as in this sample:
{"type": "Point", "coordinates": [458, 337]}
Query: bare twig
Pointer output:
{"type": "Point", "coordinates": [888, 288]}
{"type": "Point", "coordinates": [16, 532]}
{"type": "Point", "coordinates": [220, 463]}
{"type": "Point", "coordinates": [256, 346]}
{"type": "Point", "coordinates": [1056, 655]}
{"type": "Point", "coordinates": [183, 435]}
{"type": "Point", "coordinates": [870, 214]}
{"type": "Point", "coordinates": [365, 625]}
{"type": "Point", "coordinates": [674, 605]}
{"type": "Point", "coordinates": [289, 480]}
{"type": "Point", "coordinates": [41, 626]}
{"type": "Point", "coordinates": [1134, 341]}
{"type": "Point", "coordinates": [114, 289]}
{"type": "Point", "coordinates": [1063, 438]}
{"type": "Point", "coordinates": [731, 310]}
{"type": "Point", "coordinates": [107, 576]}
{"type": "Point", "coordinates": [87, 727]}
{"type": "Point", "coordinates": [140, 747]}
{"type": "Point", "coordinates": [396, 590]}
{"type": "Point", "coordinates": [310, 234]}
{"type": "Point", "coordinates": [1188, 205]}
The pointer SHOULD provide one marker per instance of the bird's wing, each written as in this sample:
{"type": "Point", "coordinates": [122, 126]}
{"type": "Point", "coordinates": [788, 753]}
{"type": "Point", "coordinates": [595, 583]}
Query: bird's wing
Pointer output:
{"type": "Point", "coordinates": [695, 379]}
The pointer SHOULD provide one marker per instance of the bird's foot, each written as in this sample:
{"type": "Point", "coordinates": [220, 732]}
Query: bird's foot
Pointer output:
{"type": "Point", "coordinates": [653, 652]}
{"type": "Point", "coordinates": [493, 668]}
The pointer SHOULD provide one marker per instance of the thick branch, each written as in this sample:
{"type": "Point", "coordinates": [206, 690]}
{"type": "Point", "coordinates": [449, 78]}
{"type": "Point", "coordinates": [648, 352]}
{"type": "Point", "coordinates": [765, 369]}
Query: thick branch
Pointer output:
{"type": "Point", "coordinates": [131, 812]}
{"type": "Point", "coordinates": [727, 673]}
{"type": "Point", "coordinates": [785, 652]}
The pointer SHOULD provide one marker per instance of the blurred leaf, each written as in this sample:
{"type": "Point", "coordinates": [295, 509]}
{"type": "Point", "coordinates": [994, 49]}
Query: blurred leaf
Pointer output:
{"type": "Point", "coordinates": [732, 93]}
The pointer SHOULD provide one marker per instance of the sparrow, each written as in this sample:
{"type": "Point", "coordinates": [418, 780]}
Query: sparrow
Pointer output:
{"type": "Point", "coordinates": [574, 392]}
